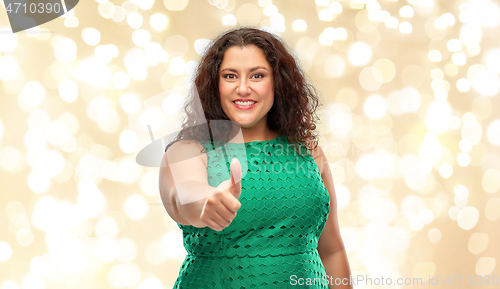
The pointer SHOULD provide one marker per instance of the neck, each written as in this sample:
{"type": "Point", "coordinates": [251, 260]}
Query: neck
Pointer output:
{"type": "Point", "coordinates": [258, 132]}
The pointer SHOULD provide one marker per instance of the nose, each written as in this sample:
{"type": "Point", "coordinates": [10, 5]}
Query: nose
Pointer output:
{"type": "Point", "coordinates": [243, 87]}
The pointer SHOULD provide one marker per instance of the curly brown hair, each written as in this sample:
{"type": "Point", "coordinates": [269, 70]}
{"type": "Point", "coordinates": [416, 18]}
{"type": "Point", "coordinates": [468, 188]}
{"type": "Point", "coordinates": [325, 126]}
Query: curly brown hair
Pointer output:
{"type": "Point", "coordinates": [293, 113]}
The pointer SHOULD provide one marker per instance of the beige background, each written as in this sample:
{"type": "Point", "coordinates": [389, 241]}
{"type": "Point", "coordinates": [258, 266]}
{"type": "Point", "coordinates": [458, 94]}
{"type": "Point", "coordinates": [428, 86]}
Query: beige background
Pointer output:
{"type": "Point", "coordinates": [409, 122]}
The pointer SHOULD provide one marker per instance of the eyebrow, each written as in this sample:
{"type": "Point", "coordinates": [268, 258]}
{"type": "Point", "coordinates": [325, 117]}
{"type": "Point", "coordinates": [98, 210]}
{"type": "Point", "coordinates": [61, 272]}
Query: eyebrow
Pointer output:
{"type": "Point", "coordinates": [252, 69]}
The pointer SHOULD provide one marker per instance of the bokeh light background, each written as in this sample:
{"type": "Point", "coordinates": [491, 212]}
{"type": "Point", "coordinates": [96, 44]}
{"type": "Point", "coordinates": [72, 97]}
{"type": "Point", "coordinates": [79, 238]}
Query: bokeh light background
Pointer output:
{"type": "Point", "coordinates": [410, 124]}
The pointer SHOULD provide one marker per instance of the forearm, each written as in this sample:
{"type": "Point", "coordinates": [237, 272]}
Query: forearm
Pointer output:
{"type": "Point", "coordinates": [198, 193]}
{"type": "Point", "coordinates": [337, 267]}
{"type": "Point", "coordinates": [186, 209]}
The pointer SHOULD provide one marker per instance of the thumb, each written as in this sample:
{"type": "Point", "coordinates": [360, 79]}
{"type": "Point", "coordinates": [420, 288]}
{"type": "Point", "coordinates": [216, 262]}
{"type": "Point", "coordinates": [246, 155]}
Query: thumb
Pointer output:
{"type": "Point", "coordinates": [236, 176]}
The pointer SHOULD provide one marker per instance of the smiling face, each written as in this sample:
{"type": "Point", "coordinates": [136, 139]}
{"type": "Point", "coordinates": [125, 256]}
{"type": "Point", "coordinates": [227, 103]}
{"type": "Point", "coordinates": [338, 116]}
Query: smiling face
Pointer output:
{"type": "Point", "coordinates": [246, 86]}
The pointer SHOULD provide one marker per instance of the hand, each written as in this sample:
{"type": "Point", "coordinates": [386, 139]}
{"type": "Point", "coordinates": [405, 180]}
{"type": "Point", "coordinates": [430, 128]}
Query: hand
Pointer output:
{"type": "Point", "coordinates": [220, 209]}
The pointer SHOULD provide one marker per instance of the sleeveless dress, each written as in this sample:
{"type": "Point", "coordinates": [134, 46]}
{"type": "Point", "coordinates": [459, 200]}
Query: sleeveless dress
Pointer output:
{"type": "Point", "coordinates": [272, 241]}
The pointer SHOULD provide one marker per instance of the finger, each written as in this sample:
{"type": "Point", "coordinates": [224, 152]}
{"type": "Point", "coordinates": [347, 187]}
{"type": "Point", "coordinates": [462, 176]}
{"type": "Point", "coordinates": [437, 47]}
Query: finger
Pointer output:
{"type": "Point", "coordinates": [222, 215]}
{"type": "Point", "coordinates": [208, 218]}
{"type": "Point", "coordinates": [235, 171]}
{"type": "Point", "coordinates": [220, 220]}
{"type": "Point", "coordinates": [236, 190]}
{"type": "Point", "coordinates": [228, 215]}
{"type": "Point", "coordinates": [236, 177]}
{"type": "Point", "coordinates": [213, 225]}
{"type": "Point", "coordinates": [209, 212]}
{"type": "Point", "coordinates": [218, 212]}
{"type": "Point", "coordinates": [231, 203]}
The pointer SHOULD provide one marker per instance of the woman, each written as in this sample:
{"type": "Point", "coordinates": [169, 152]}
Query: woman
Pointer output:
{"type": "Point", "coordinates": [276, 226]}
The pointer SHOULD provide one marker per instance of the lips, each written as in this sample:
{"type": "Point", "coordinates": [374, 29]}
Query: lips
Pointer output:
{"type": "Point", "coordinates": [244, 99]}
{"type": "Point", "coordinates": [245, 106]}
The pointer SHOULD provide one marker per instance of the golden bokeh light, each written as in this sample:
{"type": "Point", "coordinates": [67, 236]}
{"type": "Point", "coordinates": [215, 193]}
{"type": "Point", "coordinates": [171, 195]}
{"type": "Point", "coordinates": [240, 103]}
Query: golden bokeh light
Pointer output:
{"type": "Point", "coordinates": [134, 20]}
{"type": "Point", "coordinates": [485, 266]}
{"type": "Point", "coordinates": [5, 251]}
{"type": "Point", "coordinates": [159, 22]}
{"type": "Point", "coordinates": [229, 20]}
{"type": "Point", "coordinates": [435, 235]}
{"type": "Point", "coordinates": [478, 242]}
{"type": "Point", "coordinates": [176, 5]}
{"type": "Point", "coordinates": [359, 54]}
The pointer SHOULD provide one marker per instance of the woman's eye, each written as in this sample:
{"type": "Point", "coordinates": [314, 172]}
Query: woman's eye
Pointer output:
{"type": "Point", "coordinates": [258, 76]}
{"type": "Point", "coordinates": [230, 76]}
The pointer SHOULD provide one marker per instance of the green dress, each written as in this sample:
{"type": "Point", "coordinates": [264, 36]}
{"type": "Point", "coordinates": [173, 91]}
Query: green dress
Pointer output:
{"type": "Point", "coordinates": [272, 242]}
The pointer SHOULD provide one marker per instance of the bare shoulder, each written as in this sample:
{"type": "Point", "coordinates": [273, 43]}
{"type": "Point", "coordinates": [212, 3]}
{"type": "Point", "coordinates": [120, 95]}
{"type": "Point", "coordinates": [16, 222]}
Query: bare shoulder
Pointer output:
{"type": "Point", "coordinates": [185, 149]}
{"type": "Point", "coordinates": [319, 157]}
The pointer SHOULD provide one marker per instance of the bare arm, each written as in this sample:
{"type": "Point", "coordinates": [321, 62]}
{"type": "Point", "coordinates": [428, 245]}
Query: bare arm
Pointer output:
{"type": "Point", "coordinates": [330, 245]}
{"type": "Point", "coordinates": [185, 161]}
{"type": "Point", "coordinates": [186, 194]}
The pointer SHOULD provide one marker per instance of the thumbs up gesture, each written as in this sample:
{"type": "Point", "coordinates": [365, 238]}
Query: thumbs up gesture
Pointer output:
{"type": "Point", "coordinates": [220, 209]}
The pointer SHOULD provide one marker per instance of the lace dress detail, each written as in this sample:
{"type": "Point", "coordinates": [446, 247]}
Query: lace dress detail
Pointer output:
{"type": "Point", "coordinates": [284, 207]}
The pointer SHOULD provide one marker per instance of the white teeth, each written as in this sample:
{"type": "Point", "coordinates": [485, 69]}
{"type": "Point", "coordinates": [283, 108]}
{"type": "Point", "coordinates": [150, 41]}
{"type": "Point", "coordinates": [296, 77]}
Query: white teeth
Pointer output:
{"type": "Point", "coordinates": [245, 102]}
